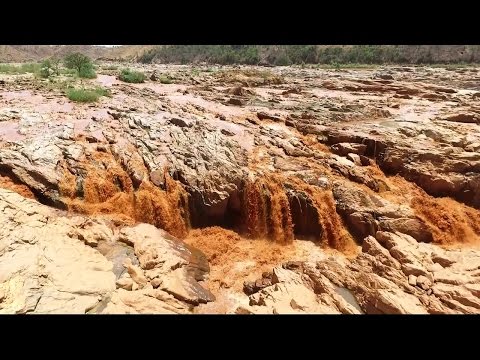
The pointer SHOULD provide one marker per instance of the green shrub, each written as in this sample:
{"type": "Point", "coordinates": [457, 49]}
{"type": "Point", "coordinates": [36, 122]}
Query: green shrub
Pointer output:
{"type": "Point", "coordinates": [309, 54]}
{"type": "Point", "coordinates": [130, 76]}
{"type": "Point", "coordinates": [9, 69]}
{"type": "Point", "coordinates": [29, 68]}
{"type": "Point", "coordinates": [111, 67]}
{"type": "Point", "coordinates": [86, 95]}
{"type": "Point", "coordinates": [103, 91]}
{"type": "Point", "coordinates": [82, 95]}
{"type": "Point", "coordinates": [69, 72]}
{"type": "Point", "coordinates": [22, 69]}
{"type": "Point", "coordinates": [336, 65]}
{"type": "Point", "coordinates": [87, 72]}
{"type": "Point", "coordinates": [46, 69]}
{"type": "Point", "coordinates": [282, 60]}
{"type": "Point", "coordinates": [214, 54]}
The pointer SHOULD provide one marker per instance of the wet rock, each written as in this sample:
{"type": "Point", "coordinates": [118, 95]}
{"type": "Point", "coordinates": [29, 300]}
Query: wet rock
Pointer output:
{"type": "Point", "coordinates": [410, 226]}
{"type": "Point", "coordinates": [67, 132]}
{"type": "Point", "coordinates": [304, 215]}
{"type": "Point", "coordinates": [384, 289]}
{"type": "Point", "coordinates": [355, 159]}
{"type": "Point", "coordinates": [156, 282]}
{"type": "Point", "coordinates": [182, 288]}
{"type": "Point", "coordinates": [292, 91]}
{"type": "Point", "coordinates": [266, 116]}
{"type": "Point", "coordinates": [227, 132]}
{"type": "Point", "coordinates": [251, 287]}
{"type": "Point", "coordinates": [236, 102]}
{"type": "Point", "coordinates": [180, 122]}
{"type": "Point", "coordinates": [109, 137]}
{"type": "Point", "coordinates": [463, 118]}
{"type": "Point", "coordinates": [344, 149]}
{"type": "Point", "coordinates": [365, 161]}
{"type": "Point", "coordinates": [238, 91]}
{"type": "Point", "coordinates": [384, 76]}
{"type": "Point", "coordinates": [136, 273]}
{"type": "Point", "coordinates": [115, 114]}
{"type": "Point", "coordinates": [158, 178]}
{"type": "Point", "coordinates": [36, 166]}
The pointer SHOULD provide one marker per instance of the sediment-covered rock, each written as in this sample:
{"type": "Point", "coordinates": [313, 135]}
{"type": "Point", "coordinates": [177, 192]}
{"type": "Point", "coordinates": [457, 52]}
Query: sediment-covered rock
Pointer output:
{"type": "Point", "coordinates": [50, 263]}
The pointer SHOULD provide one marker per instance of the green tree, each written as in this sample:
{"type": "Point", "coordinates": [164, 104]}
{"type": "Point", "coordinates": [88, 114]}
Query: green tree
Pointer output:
{"type": "Point", "coordinates": [82, 63]}
{"type": "Point", "coordinates": [77, 61]}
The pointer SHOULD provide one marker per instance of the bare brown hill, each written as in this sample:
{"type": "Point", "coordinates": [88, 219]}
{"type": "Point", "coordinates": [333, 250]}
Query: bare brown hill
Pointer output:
{"type": "Point", "coordinates": [23, 53]}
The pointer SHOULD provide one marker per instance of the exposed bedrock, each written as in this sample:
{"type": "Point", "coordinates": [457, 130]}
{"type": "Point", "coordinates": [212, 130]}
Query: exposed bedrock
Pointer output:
{"type": "Point", "coordinates": [378, 170]}
{"type": "Point", "coordinates": [51, 263]}
{"type": "Point", "coordinates": [394, 274]}
{"type": "Point", "coordinates": [366, 213]}
{"type": "Point", "coordinates": [438, 162]}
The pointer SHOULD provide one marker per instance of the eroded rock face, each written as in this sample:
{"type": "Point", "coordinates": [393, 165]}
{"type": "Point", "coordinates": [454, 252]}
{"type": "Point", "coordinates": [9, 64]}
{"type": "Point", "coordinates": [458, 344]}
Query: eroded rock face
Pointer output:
{"type": "Point", "coordinates": [365, 213]}
{"type": "Point", "coordinates": [438, 158]}
{"type": "Point", "coordinates": [43, 269]}
{"type": "Point", "coordinates": [73, 157]}
{"type": "Point", "coordinates": [49, 263]}
{"type": "Point", "coordinates": [394, 274]}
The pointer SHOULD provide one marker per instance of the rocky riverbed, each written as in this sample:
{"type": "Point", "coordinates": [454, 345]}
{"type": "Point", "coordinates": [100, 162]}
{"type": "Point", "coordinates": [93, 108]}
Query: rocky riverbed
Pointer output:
{"type": "Point", "coordinates": [243, 190]}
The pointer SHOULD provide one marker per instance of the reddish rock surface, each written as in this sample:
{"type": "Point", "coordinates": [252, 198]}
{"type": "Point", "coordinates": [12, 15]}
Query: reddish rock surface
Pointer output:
{"type": "Point", "coordinates": [312, 190]}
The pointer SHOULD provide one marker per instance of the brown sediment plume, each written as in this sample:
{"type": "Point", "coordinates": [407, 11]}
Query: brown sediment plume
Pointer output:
{"type": "Point", "coordinates": [107, 189]}
{"type": "Point", "coordinates": [450, 221]}
{"type": "Point", "coordinates": [67, 186]}
{"type": "Point", "coordinates": [214, 241]}
{"type": "Point", "coordinates": [165, 209]}
{"type": "Point", "coordinates": [334, 231]}
{"type": "Point", "coordinates": [256, 219]}
{"type": "Point", "coordinates": [101, 185]}
{"type": "Point", "coordinates": [235, 259]}
{"type": "Point", "coordinates": [269, 215]}
{"type": "Point", "coordinates": [24, 190]}
{"type": "Point", "coordinates": [311, 141]}
{"type": "Point", "coordinates": [375, 170]}
{"type": "Point", "coordinates": [281, 218]}
{"type": "Point", "coordinates": [267, 210]}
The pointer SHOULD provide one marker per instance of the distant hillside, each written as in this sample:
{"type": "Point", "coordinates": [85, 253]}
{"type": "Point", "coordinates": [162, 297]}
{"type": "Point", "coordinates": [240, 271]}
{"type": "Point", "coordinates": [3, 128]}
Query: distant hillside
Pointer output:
{"type": "Point", "coordinates": [22, 53]}
{"type": "Point", "coordinates": [325, 54]}
{"type": "Point", "coordinates": [127, 52]}
{"type": "Point", "coordinates": [254, 54]}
